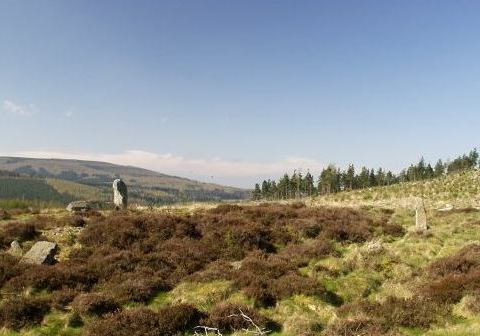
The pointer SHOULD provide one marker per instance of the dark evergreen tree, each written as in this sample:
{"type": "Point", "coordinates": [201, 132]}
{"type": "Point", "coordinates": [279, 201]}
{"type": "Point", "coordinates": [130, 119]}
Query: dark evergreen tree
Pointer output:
{"type": "Point", "coordinates": [439, 169]}
{"type": "Point", "coordinates": [372, 181]}
{"type": "Point", "coordinates": [308, 185]}
{"type": "Point", "coordinates": [257, 192]}
{"type": "Point", "coordinates": [349, 178]}
{"type": "Point", "coordinates": [363, 178]}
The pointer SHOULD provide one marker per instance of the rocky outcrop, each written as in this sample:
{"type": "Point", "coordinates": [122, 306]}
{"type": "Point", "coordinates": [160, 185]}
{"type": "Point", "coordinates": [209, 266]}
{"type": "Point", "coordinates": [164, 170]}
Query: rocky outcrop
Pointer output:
{"type": "Point", "coordinates": [15, 249]}
{"type": "Point", "coordinates": [42, 252]}
{"type": "Point", "coordinates": [79, 206]}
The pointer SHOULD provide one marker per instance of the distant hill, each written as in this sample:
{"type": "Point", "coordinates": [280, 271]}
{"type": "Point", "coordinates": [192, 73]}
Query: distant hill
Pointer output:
{"type": "Point", "coordinates": [60, 180]}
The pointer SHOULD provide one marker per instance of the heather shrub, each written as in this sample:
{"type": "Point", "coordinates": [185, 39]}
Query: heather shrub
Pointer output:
{"type": "Point", "coordinates": [75, 320]}
{"type": "Point", "coordinates": [77, 221]}
{"type": "Point", "coordinates": [467, 259]}
{"type": "Point", "coordinates": [179, 318]}
{"type": "Point", "coordinates": [17, 231]}
{"type": "Point", "coordinates": [294, 284]}
{"type": "Point", "coordinates": [9, 268]}
{"type": "Point", "coordinates": [358, 232]}
{"type": "Point", "coordinates": [4, 215]}
{"type": "Point", "coordinates": [474, 304]}
{"type": "Point", "coordinates": [269, 278]}
{"type": "Point", "coordinates": [62, 298]}
{"type": "Point", "coordinates": [217, 270]}
{"type": "Point", "coordinates": [50, 278]}
{"type": "Point", "coordinates": [394, 230]}
{"type": "Point", "coordinates": [300, 254]}
{"type": "Point", "coordinates": [94, 304]}
{"type": "Point", "coordinates": [397, 312]}
{"type": "Point", "coordinates": [227, 318]}
{"type": "Point", "coordinates": [19, 312]}
{"type": "Point", "coordinates": [312, 230]}
{"type": "Point", "coordinates": [451, 288]}
{"type": "Point", "coordinates": [453, 277]}
{"type": "Point", "coordinates": [408, 313]}
{"type": "Point", "coordinates": [169, 321]}
{"type": "Point", "coordinates": [131, 322]}
{"type": "Point", "coordinates": [225, 208]}
{"type": "Point", "coordinates": [137, 287]}
{"type": "Point", "coordinates": [356, 327]}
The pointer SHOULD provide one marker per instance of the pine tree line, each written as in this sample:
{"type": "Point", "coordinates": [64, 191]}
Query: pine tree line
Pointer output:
{"type": "Point", "coordinates": [333, 179]}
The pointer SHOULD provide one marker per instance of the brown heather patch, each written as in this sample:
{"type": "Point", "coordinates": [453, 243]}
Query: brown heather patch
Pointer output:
{"type": "Point", "coordinates": [130, 257]}
{"type": "Point", "coordinates": [19, 312]}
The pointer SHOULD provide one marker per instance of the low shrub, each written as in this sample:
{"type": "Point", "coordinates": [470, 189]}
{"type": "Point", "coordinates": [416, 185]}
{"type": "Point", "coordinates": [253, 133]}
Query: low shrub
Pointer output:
{"type": "Point", "coordinates": [295, 284]}
{"type": "Point", "coordinates": [17, 231]}
{"type": "Point", "coordinates": [75, 320]}
{"type": "Point", "coordinates": [269, 278]}
{"type": "Point", "coordinates": [356, 327]}
{"type": "Point", "coordinates": [9, 268]}
{"type": "Point", "coordinates": [179, 319]}
{"type": "Point", "coordinates": [397, 312]}
{"type": "Point", "coordinates": [465, 260]}
{"type": "Point", "coordinates": [19, 312]}
{"type": "Point", "coordinates": [94, 304]}
{"type": "Point", "coordinates": [131, 322]}
{"type": "Point", "coordinates": [228, 319]}
{"type": "Point", "coordinates": [4, 215]}
{"type": "Point", "coordinates": [473, 305]}
{"type": "Point", "coordinates": [169, 321]}
{"type": "Point", "coordinates": [453, 287]}
{"type": "Point", "coordinates": [136, 287]}
{"type": "Point", "coordinates": [77, 221]}
{"type": "Point", "coordinates": [62, 298]}
{"type": "Point", "coordinates": [217, 270]}
{"type": "Point", "coordinates": [453, 277]}
{"type": "Point", "coordinates": [50, 278]}
{"type": "Point", "coordinates": [394, 230]}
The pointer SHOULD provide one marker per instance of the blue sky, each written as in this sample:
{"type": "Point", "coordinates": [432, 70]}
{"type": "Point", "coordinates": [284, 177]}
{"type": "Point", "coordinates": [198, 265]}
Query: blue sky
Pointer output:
{"type": "Point", "coordinates": [234, 91]}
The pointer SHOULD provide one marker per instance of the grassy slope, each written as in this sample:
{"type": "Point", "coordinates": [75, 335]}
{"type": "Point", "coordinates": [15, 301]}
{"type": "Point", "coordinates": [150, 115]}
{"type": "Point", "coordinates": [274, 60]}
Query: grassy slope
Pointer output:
{"type": "Point", "coordinates": [77, 190]}
{"type": "Point", "coordinates": [461, 189]}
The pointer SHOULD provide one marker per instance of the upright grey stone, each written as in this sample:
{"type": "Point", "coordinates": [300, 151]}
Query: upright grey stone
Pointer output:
{"type": "Point", "coordinates": [42, 252]}
{"type": "Point", "coordinates": [420, 216]}
{"type": "Point", "coordinates": [120, 195]}
{"type": "Point", "coordinates": [15, 249]}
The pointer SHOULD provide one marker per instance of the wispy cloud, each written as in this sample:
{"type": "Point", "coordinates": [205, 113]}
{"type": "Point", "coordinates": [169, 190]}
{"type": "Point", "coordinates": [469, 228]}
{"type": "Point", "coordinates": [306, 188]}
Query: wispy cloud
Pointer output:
{"type": "Point", "coordinates": [69, 114]}
{"type": "Point", "coordinates": [17, 109]}
{"type": "Point", "coordinates": [240, 173]}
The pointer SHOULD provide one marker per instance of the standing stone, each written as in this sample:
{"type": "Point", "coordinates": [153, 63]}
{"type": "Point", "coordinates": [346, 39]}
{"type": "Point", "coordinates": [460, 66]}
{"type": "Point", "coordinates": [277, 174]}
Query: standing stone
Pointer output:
{"type": "Point", "coordinates": [420, 216]}
{"type": "Point", "coordinates": [15, 249]}
{"type": "Point", "coordinates": [120, 196]}
{"type": "Point", "coordinates": [42, 252]}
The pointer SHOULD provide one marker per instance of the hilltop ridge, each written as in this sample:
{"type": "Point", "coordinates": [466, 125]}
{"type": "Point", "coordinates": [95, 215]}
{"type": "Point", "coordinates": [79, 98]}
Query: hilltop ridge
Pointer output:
{"type": "Point", "coordinates": [73, 179]}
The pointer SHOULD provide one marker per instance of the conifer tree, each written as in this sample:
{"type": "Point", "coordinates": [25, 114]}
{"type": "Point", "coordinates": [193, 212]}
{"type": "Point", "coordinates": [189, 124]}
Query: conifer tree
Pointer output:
{"type": "Point", "coordinates": [363, 178]}
{"type": "Point", "coordinates": [257, 192]}
{"type": "Point", "coordinates": [372, 181]}
{"type": "Point", "coordinates": [349, 177]}
{"type": "Point", "coordinates": [439, 169]}
{"type": "Point", "coordinates": [308, 184]}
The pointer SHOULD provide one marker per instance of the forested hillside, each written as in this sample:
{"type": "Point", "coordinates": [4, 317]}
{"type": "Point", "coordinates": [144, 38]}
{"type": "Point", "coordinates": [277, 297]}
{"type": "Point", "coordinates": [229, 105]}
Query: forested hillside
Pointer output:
{"type": "Point", "coordinates": [333, 179]}
{"type": "Point", "coordinates": [63, 180]}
